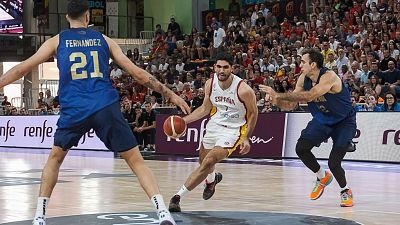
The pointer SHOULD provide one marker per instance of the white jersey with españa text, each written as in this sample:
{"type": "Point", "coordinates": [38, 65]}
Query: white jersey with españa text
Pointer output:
{"type": "Point", "coordinates": [228, 109]}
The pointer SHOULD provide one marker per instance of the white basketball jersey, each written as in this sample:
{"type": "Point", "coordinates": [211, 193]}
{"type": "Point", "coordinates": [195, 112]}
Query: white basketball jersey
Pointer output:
{"type": "Point", "coordinates": [228, 109]}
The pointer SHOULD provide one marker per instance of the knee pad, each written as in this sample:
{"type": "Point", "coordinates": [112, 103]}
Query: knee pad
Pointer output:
{"type": "Point", "coordinates": [303, 146]}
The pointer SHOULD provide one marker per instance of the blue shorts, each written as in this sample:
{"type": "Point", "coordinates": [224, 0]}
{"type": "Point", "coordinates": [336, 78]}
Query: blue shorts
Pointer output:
{"type": "Point", "coordinates": [108, 123]}
{"type": "Point", "coordinates": [342, 133]}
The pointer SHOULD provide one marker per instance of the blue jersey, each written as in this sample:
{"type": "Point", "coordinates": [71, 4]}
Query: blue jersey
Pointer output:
{"type": "Point", "coordinates": [85, 86]}
{"type": "Point", "coordinates": [330, 109]}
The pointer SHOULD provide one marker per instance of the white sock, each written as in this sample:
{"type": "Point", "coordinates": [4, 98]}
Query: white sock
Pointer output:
{"type": "Point", "coordinates": [183, 191]}
{"type": "Point", "coordinates": [321, 173]}
{"type": "Point", "coordinates": [210, 178]}
{"type": "Point", "coordinates": [41, 207]}
{"type": "Point", "coordinates": [346, 187]}
{"type": "Point", "coordinates": [158, 202]}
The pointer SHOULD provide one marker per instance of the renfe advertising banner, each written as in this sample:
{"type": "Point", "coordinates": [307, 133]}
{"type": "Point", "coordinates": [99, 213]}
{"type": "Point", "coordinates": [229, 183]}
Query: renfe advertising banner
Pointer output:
{"type": "Point", "coordinates": [38, 132]}
{"type": "Point", "coordinates": [266, 141]}
{"type": "Point", "coordinates": [377, 137]}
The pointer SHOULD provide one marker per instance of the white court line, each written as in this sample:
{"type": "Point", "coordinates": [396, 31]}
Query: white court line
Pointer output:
{"type": "Point", "coordinates": [4, 15]}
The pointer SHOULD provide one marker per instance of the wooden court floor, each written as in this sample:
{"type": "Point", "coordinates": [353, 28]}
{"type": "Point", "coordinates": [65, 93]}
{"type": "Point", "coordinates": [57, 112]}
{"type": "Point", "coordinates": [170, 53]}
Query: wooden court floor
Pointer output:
{"type": "Point", "coordinates": [91, 183]}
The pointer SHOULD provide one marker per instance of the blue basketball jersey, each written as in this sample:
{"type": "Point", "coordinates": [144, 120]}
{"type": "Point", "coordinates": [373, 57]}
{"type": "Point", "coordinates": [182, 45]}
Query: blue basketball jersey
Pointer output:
{"type": "Point", "coordinates": [330, 109]}
{"type": "Point", "coordinates": [85, 86]}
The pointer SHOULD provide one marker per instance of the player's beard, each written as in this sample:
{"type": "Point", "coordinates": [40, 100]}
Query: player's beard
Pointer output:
{"type": "Point", "coordinates": [224, 77]}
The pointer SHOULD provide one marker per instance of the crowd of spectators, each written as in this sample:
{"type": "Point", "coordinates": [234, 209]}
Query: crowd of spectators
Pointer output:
{"type": "Point", "coordinates": [360, 41]}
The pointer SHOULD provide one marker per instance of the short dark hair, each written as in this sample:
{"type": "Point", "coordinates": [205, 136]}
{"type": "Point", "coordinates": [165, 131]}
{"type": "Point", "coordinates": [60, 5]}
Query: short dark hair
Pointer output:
{"type": "Point", "coordinates": [315, 56]}
{"type": "Point", "coordinates": [76, 8]}
{"type": "Point", "coordinates": [225, 57]}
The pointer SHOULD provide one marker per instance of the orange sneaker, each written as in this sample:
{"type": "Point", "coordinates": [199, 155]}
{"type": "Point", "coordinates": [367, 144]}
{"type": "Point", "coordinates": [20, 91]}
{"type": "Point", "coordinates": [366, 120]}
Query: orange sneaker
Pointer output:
{"type": "Point", "coordinates": [320, 186]}
{"type": "Point", "coordinates": [346, 198]}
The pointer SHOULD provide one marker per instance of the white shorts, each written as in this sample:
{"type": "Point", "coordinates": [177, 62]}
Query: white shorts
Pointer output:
{"type": "Point", "coordinates": [217, 135]}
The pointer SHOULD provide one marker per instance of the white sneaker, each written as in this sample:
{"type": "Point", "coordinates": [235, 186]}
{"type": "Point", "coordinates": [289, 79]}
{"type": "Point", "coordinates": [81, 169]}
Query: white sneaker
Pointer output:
{"type": "Point", "coordinates": [165, 218]}
{"type": "Point", "coordinates": [39, 221]}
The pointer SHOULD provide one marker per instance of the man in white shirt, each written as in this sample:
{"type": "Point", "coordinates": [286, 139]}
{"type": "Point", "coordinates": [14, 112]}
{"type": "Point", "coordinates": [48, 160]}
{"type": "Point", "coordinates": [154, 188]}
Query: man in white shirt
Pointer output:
{"type": "Point", "coordinates": [333, 43]}
{"type": "Point", "coordinates": [163, 66]}
{"type": "Point", "coordinates": [342, 60]}
{"type": "Point", "coordinates": [218, 38]}
{"type": "Point", "coordinates": [355, 70]}
{"type": "Point", "coordinates": [179, 65]}
{"type": "Point", "coordinates": [115, 72]}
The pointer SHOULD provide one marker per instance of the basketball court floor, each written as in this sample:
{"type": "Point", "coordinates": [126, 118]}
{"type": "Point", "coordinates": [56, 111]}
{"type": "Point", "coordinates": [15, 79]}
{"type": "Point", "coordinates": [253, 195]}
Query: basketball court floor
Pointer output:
{"type": "Point", "coordinates": [96, 188]}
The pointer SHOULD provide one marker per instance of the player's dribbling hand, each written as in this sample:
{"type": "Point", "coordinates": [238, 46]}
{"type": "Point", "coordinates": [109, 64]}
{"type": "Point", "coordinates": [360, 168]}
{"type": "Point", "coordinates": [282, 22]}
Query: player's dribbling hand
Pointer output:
{"type": "Point", "coordinates": [178, 101]}
{"type": "Point", "coordinates": [244, 147]}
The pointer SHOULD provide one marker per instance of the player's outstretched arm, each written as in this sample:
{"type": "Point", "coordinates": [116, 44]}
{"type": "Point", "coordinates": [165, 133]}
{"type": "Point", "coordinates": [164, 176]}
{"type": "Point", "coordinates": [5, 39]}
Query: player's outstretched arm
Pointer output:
{"type": "Point", "coordinates": [248, 97]}
{"type": "Point", "coordinates": [324, 86]}
{"type": "Point", "coordinates": [143, 77]}
{"type": "Point", "coordinates": [283, 104]}
{"type": "Point", "coordinates": [47, 50]}
{"type": "Point", "coordinates": [204, 109]}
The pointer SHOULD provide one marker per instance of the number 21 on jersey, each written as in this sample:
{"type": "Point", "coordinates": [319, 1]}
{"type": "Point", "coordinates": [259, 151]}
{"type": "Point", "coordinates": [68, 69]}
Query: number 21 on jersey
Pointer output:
{"type": "Point", "coordinates": [83, 62]}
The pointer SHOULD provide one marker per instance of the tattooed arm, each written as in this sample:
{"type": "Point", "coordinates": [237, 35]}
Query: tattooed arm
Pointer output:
{"type": "Point", "coordinates": [143, 77]}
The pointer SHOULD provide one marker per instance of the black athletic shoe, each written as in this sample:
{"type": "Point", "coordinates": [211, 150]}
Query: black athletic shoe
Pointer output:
{"type": "Point", "coordinates": [209, 190]}
{"type": "Point", "coordinates": [174, 204]}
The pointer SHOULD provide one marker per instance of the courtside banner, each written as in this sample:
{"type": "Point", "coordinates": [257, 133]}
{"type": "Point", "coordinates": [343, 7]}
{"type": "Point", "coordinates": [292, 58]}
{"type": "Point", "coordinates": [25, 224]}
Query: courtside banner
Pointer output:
{"type": "Point", "coordinates": [377, 137]}
{"type": "Point", "coordinates": [266, 141]}
{"type": "Point", "coordinates": [38, 132]}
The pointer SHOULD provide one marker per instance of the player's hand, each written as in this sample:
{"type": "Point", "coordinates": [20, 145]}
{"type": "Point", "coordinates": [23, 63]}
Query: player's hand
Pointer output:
{"type": "Point", "coordinates": [270, 94]}
{"type": "Point", "coordinates": [178, 101]}
{"type": "Point", "coordinates": [244, 147]}
{"type": "Point", "coordinates": [266, 89]}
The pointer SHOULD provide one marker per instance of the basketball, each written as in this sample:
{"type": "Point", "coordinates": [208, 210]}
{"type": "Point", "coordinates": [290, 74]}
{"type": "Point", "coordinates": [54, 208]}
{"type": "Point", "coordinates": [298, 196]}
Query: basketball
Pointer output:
{"type": "Point", "coordinates": [174, 127]}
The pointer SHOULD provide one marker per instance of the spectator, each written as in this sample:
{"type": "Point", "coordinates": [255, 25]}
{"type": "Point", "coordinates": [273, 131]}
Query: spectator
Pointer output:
{"type": "Point", "coordinates": [139, 121]}
{"type": "Point", "coordinates": [198, 100]}
{"type": "Point", "coordinates": [48, 99]}
{"type": "Point", "coordinates": [180, 65]}
{"type": "Point", "coordinates": [175, 29]}
{"type": "Point", "coordinates": [218, 40]}
{"type": "Point", "coordinates": [5, 102]}
{"type": "Point", "coordinates": [115, 72]}
{"type": "Point", "coordinates": [159, 30]}
{"type": "Point", "coordinates": [391, 78]}
{"type": "Point", "coordinates": [234, 8]}
{"type": "Point", "coordinates": [149, 127]}
{"type": "Point", "coordinates": [391, 104]}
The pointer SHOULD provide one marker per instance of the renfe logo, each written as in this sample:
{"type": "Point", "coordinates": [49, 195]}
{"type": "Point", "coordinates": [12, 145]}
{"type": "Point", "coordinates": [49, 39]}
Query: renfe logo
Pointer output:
{"type": "Point", "coordinates": [7, 131]}
{"type": "Point", "coordinates": [396, 137]}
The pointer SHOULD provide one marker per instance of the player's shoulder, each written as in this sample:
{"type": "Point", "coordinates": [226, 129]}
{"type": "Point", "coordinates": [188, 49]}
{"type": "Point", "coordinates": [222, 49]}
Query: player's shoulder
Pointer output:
{"type": "Point", "coordinates": [244, 89]}
{"type": "Point", "coordinates": [330, 75]}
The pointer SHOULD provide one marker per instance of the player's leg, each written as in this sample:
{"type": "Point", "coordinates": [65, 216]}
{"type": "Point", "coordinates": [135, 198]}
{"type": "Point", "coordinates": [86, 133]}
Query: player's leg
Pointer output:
{"type": "Point", "coordinates": [49, 180]}
{"type": "Point", "coordinates": [342, 137]}
{"type": "Point", "coordinates": [313, 135]}
{"type": "Point", "coordinates": [117, 136]}
{"type": "Point", "coordinates": [64, 139]}
{"type": "Point", "coordinates": [216, 155]}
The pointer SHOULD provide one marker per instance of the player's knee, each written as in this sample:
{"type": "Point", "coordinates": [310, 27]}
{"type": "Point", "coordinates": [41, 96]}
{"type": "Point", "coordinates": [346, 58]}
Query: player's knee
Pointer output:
{"type": "Point", "coordinates": [208, 163]}
{"type": "Point", "coordinates": [334, 164]}
{"type": "Point", "coordinates": [303, 146]}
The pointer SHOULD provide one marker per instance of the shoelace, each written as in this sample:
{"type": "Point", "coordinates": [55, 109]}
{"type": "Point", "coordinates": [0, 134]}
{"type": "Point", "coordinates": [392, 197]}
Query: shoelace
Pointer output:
{"type": "Point", "coordinates": [317, 183]}
{"type": "Point", "coordinates": [345, 196]}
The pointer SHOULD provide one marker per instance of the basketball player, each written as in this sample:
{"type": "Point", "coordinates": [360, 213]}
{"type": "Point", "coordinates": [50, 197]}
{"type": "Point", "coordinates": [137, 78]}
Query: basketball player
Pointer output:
{"type": "Point", "coordinates": [232, 106]}
{"type": "Point", "coordinates": [333, 117]}
{"type": "Point", "coordinates": [88, 100]}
